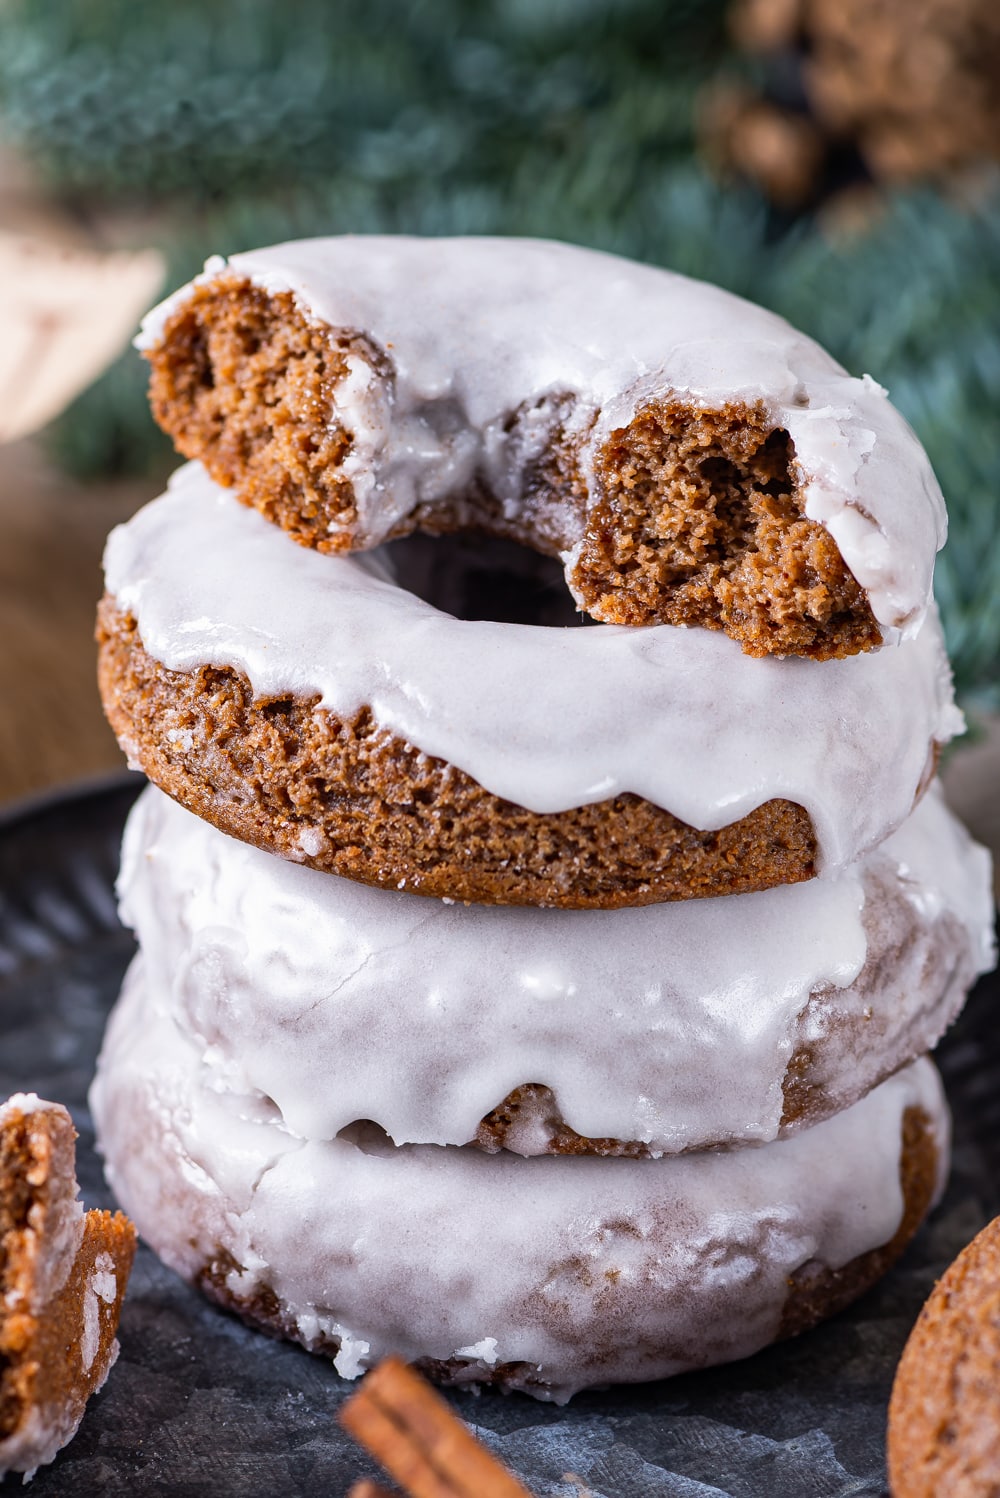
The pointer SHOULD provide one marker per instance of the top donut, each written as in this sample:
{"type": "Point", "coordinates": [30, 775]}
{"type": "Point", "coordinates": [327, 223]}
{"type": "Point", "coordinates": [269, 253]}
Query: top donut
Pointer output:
{"type": "Point", "coordinates": [690, 457]}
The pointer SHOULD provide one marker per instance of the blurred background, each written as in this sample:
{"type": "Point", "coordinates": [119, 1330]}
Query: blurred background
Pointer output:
{"type": "Point", "coordinates": [836, 160]}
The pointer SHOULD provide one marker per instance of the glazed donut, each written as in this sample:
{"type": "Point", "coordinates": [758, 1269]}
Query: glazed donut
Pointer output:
{"type": "Point", "coordinates": [690, 457]}
{"type": "Point", "coordinates": [308, 705]}
{"type": "Point", "coordinates": [652, 1031]}
{"type": "Point", "coordinates": [549, 1274]}
{"type": "Point", "coordinates": [63, 1273]}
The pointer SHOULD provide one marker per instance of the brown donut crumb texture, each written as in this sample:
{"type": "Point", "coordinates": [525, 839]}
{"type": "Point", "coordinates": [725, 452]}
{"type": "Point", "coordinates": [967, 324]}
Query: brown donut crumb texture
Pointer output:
{"type": "Point", "coordinates": [697, 515]}
{"type": "Point", "coordinates": [944, 1415]}
{"type": "Point", "coordinates": [349, 797]}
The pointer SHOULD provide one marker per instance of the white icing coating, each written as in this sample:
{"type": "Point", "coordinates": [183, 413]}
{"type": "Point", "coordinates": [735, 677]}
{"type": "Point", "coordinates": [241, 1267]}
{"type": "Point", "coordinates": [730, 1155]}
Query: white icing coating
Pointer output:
{"type": "Point", "coordinates": [23, 1103]}
{"type": "Point", "coordinates": [477, 328]}
{"type": "Point", "coordinates": [341, 1002]}
{"type": "Point", "coordinates": [586, 1270]}
{"type": "Point", "coordinates": [548, 718]}
{"type": "Point", "coordinates": [102, 1287]}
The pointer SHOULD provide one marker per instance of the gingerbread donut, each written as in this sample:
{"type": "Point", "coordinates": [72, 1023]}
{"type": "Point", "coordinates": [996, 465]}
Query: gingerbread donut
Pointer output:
{"type": "Point", "coordinates": [308, 705]}
{"type": "Point", "coordinates": [690, 457]}
{"type": "Point", "coordinates": [547, 1274]}
{"type": "Point", "coordinates": [652, 1031]}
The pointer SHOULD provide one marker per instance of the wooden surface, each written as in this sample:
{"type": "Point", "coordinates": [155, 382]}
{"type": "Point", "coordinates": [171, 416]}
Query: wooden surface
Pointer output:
{"type": "Point", "coordinates": [52, 535]}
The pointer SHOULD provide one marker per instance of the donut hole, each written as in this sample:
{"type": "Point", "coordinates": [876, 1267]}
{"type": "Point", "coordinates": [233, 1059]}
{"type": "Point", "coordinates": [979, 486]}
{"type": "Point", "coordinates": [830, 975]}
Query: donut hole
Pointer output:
{"type": "Point", "coordinates": [532, 1112]}
{"type": "Point", "coordinates": [700, 522]}
{"type": "Point", "coordinates": [367, 1136]}
{"type": "Point", "coordinates": [477, 577]}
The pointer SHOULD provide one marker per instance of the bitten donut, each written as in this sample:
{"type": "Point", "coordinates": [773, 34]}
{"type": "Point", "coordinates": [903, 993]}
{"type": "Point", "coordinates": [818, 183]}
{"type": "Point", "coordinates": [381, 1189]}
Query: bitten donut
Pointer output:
{"type": "Point", "coordinates": [944, 1416]}
{"type": "Point", "coordinates": [670, 1028]}
{"type": "Point", "coordinates": [311, 706]}
{"type": "Point", "coordinates": [548, 1274]}
{"type": "Point", "coordinates": [690, 457]}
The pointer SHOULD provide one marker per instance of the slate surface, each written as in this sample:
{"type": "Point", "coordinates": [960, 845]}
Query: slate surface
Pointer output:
{"type": "Point", "coordinates": [199, 1405]}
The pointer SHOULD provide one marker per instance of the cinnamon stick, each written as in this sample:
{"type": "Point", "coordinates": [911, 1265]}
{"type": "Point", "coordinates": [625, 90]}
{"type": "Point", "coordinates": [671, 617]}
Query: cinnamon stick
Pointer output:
{"type": "Point", "coordinates": [416, 1437]}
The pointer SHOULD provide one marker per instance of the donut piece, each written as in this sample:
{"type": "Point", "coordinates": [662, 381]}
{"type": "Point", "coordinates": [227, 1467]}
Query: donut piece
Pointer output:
{"type": "Point", "coordinates": [549, 1274]}
{"type": "Point", "coordinates": [691, 458]}
{"type": "Point", "coordinates": [63, 1274]}
{"type": "Point", "coordinates": [342, 1003]}
{"type": "Point", "coordinates": [944, 1415]}
{"type": "Point", "coordinates": [312, 707]}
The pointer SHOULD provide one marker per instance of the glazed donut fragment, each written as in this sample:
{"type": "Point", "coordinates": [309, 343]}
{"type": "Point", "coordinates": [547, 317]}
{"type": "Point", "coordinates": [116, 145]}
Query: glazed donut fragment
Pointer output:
{"type": "Point", "coordinates": [248, 384]}
{"type": "Point", "coordinates": [690, 458]}
{"type": "Point", "coordinates": [63, 1274]}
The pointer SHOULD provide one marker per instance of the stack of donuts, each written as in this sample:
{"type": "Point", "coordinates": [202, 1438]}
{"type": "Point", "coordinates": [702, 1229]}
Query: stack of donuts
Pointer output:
{"type": "Point", "coordinates": [545, 1004]}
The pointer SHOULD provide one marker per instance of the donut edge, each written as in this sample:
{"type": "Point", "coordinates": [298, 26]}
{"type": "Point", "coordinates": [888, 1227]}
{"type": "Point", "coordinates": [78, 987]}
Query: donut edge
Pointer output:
{"type": "Point", "coordinates": [353, 799]}
{"type": "Point", "coordinates": [815, 1292]}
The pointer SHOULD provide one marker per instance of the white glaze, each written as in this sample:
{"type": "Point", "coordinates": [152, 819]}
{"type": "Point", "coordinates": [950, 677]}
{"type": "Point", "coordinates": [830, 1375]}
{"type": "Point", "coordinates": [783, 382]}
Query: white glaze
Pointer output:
{"type": "Point", "coordinates": [39, 1437]}
{"type": "Point", "coordinates": [101, 1288]}
{"type": "Point", "coordinates": [548, 718]}
{"type": "Point", "coordinates": [23, 1103]}
{"type": "Point", "coordinates": [671, 1024]}
{"type": "Point", "coordinates": [477, 328]}
{"type": "Point", "coordinates": [588, 1270]}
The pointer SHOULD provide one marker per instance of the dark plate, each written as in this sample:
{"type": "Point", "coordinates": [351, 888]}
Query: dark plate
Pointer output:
{"type": "Point", "coordinates": [198, 1405]}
